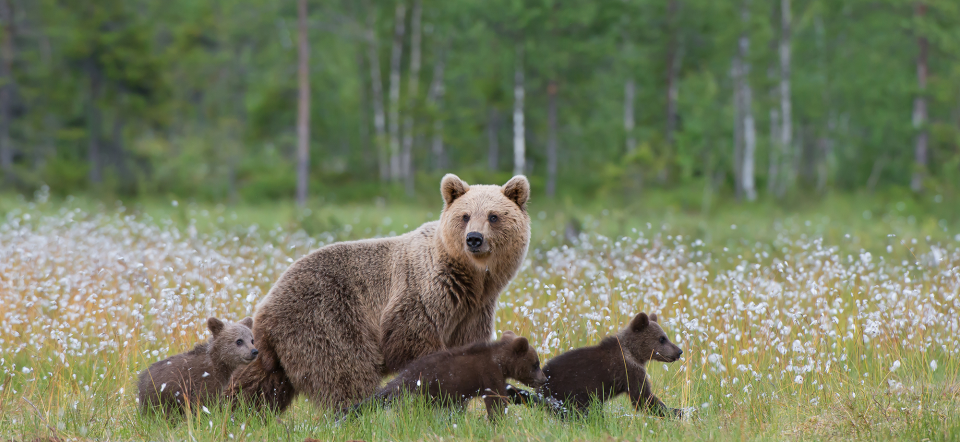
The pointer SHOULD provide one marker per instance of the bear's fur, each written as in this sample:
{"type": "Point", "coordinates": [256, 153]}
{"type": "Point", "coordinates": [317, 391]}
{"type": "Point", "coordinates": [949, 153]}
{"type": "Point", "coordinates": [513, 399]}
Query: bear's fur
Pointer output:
{"type": "Point", "coordinates": [453, 377]}
{"type": "Point", "coordinates": [198, 377]}
{"type": "Point", "coordinates": [601, 372]}
{"type": "Point", "coordinates": [345, 315]}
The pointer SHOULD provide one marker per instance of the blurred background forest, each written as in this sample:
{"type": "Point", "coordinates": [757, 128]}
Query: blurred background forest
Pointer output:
{"type": "Point", "coordinates": [350, 100]}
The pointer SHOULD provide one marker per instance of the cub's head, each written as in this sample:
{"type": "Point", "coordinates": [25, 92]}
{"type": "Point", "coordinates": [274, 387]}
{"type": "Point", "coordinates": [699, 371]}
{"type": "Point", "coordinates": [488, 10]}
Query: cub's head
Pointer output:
{"type": "Point", "coordinates": [519, 360]}
{"type": "Point", "coordinates": [485, 222]}
{"type": "Point", "coordinates": [232, 342]}
{"type": "Point", "coordinates": [645, 340]}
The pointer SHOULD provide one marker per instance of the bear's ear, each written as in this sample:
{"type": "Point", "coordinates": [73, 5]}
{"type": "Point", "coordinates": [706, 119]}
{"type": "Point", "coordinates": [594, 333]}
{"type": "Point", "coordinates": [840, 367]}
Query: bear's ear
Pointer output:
{"type": "Point", "coordinates": [248, 322]}
{"type": "Point", "coordinates": [215, 325]}
{"type": "Point", "coordinates": [639, 322]}
{"type": "Point", "coordinates": [518, 190]}
{"type": "Point", "coordinates": [520, 346]}
{"type": "Point", "coordinates": [508, 336]}
{"type": "Point", "coordinates": [653, 317]}
{"type": "Point", "coordinates": [452, 187]}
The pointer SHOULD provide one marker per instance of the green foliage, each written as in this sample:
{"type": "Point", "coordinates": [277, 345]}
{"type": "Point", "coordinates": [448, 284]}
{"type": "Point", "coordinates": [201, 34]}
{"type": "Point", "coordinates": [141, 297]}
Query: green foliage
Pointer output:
{"type": "Point", "coordinates": [193, 94]}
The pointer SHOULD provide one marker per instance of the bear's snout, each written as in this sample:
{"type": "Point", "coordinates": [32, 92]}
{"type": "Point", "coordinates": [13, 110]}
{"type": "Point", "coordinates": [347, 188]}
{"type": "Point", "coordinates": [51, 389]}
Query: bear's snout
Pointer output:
{"type": "Point", "coordinates": [253, 354]}
{"type": "Point", "coordinates": [474, 241]}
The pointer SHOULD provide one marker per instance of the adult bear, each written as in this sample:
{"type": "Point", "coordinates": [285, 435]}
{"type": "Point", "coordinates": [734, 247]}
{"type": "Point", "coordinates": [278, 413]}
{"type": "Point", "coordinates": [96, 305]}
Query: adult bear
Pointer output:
{"type": "Point", "coordinates": [345, 315]}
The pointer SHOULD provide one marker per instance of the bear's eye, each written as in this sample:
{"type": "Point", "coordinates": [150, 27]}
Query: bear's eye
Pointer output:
{"type": "Point", "coordinates": [493, 218]}
{"type": "Point", "coordinates": [663, 339]}
{"type": "Point", "coordinates": [239, 341]}
{"type": "Point", "coordinates": [466, 217]}
{"type": "Point", "coordinates": [536, 365]}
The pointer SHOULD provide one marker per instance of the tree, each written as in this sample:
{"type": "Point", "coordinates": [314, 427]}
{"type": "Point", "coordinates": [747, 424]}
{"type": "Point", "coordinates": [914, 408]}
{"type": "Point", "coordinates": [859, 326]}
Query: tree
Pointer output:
{"type": "Point", "coordinates": [303, 107]}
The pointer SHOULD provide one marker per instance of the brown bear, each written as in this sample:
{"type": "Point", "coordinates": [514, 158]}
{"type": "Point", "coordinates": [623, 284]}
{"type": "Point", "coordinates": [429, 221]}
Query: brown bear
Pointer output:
{"type": "Point", "coordinates": [347, 314]}
{"type": "Point", "coordinates": [599, 373]}
{"type": "Point", "coordinates": [198, 377]}
{"type": "Point", "coordinates": [453, 377]}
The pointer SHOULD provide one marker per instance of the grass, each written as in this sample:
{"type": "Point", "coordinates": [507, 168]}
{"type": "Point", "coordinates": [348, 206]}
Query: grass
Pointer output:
{"type": "Point", "coordinates": [838, 329]}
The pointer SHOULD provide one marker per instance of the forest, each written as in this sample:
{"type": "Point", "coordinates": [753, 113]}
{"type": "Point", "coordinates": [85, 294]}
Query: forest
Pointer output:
{"type": "Point", "coordinates": [249, 100]}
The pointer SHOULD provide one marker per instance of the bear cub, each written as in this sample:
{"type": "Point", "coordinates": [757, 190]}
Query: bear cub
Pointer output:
{"type": "Point", "coordinates": [198, 377]}
{"type": "Point", "coordinates": [452, 377]}
{"type": "Point", "coordinates": [601, 372]}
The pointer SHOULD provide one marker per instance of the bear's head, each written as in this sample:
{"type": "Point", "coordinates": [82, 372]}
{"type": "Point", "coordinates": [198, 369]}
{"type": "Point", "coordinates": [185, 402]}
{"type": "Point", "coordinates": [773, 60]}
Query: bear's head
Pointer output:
{"type": "Point", "coordinates": [485, 224]}
{"type": "Point", "coordinates": [645, 340]}
{"type": "Point", "coordinates": [232, 342]}
{"type": "Point", "coordinates": [519, 360]}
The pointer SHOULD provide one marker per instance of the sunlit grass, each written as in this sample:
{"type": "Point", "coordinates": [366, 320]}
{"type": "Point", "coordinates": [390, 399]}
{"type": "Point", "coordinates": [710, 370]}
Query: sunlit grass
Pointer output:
{"type": "Point", "coordinates": [784, 337]}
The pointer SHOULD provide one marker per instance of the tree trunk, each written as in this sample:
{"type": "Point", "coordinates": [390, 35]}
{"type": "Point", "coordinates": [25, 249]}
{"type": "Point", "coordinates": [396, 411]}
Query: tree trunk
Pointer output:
{"type": "Point", "coordinates": [737, 127]}
{"type": "Point", "coordinates": [774, 151]}
{"type": "Point", "coordinates": [674, 57]}
{"type": "Point", "coordinates": [749, 129]}
{"type": "Point", "coordinates": [786, 112]}
{"type": "Point", "coordinates": [412, 91]}
{"type": "Point", "coordinates": [93, 121]}
{"type": "Point", "coordinates": [493, 143]}
{"type": "Point", "coordinates": [551, 139]}
{"type": "Point", "coordinates": [434, 97]}
{"type": "Point", "coordinates": [519, 144]}
{"type": "Point", "coordinates": [303, 105]}
{"type": "Point", "coordinates": [364, 117]}
{"type": "Point", "coordinates": [6, 88]}
{"type": "Point", "coordinates": [376, 89]}
{"type": "Point", "coordinates": [920, 108]}
{"type": "Point", "coordinates": [629, 97]}
{"type": "Point", "coordinates": [396, 54]}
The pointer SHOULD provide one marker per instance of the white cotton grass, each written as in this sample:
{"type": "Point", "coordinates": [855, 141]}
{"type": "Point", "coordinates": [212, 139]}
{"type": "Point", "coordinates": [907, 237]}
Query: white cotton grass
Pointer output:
{"type": "Point", "coordinates": [792, 317]}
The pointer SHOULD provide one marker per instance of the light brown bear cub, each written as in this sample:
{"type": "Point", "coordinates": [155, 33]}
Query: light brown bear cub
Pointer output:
{"type": "Point", "coordinates": [198, 377]}
{"type": "Point", "coordinates": [453, 377]}
{"type": "Point", "coordinates": [342, 317]}
{"type": "Point", "coordinates": [599, 373]}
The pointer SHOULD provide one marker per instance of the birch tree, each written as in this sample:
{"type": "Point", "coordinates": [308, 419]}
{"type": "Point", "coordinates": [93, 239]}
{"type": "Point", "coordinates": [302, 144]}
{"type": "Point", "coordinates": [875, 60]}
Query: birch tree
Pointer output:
{"type": "Point", "coordinates": [920, 105]}
{"type": "Point", "coordinates": [786, 106]}
{"type": "Point", "coordinates": [376, 96]}
{"type": "Point", "coordinates": [396, 54]}
{"type": "Point", "coordinates": [746, 99]}
{"type": "Point", "coordinates": [412, 94]}
{"type": "Point", "coordinates": [303, 106]}
{"type": "Point", "coordinates": [519, 140]}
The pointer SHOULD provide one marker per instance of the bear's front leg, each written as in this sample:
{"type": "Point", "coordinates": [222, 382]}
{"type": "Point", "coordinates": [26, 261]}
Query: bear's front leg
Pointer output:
{"type": "Point", "coordinates": [643, 398]}
{"type": "Point", "coordinates": [496, 401]}
{"type": "Point", "coordinates": [407, 333]}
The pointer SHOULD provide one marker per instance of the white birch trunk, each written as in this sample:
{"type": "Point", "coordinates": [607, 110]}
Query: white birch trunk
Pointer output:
{"type": "Point", "coordinates": [303, 105]}
{"type": "Point", "coordinates": [551, 139]}
{"type": "Point", "coordinates": [396, 54]}
{"type": "Point", "coordinates": [749, 129]}
{"type": "Point", "coordinates": [434, 97]}
{"type": "Point", "coordinates": [519, 143]}
{"type": "Point", "coordinates": [376, 83]}
{"type": "Point", "coordinates": [737, 126]}
{"type": "Point", "coordinates": [412, 91]}
{"type": "Point", "coordinates": [920, 108]}
{"type": "Point", "coordinates": [629, 97]}
{"type": "Point", "coordinates": [786, 112]}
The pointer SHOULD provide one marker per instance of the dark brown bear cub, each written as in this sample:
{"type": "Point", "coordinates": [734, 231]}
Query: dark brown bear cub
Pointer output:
{"type": "Point", "coordinates": [604, 371]}
{"type": "Point", "coordinates": [198, 377]}
{"type": "Point", "coordinates": [453, 377]}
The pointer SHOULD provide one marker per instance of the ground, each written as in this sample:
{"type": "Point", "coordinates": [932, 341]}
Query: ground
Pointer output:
{"type": "Point", "coordinates": [823, 323]}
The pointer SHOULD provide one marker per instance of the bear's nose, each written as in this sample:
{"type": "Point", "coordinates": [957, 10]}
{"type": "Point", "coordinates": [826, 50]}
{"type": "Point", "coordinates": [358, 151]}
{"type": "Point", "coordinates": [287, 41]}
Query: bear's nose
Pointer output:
{"type": "Point", "coordinates": [474, 240]}
{"type": "Point", "coordinates": [254, 352]}
{"type": "Point", "coordinates": [680, 353]}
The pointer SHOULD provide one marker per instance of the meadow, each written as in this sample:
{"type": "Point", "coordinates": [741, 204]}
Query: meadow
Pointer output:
{"type": "Point", "coordinates": [819, 324]}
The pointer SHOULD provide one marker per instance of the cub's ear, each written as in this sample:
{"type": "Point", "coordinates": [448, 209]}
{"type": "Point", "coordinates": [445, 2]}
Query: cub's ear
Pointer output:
{"type": "Point", "coordinates": [653, 317]}
{"type": "Point", "coordinates": [451, 188]}
{"type": "Point", "coordinates": [639, 322]}
{"type": "Point", "coordinates": [520, 346]}
{"type": "Point", "coordinates": [248, 322]}
{"type": "Point", "coordinates": [215, 325]}
{"type": "Point", "coordinates": [518, 191]}
{"type": "Point", "coordinates": [508, 336]}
